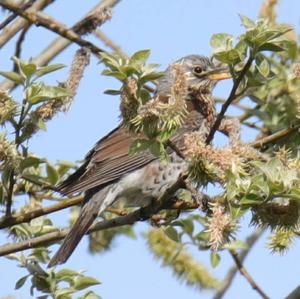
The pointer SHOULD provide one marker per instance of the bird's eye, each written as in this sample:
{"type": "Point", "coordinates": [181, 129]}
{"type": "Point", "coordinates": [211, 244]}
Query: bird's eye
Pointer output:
{"type": "Point", "coordinates": [198, 70]}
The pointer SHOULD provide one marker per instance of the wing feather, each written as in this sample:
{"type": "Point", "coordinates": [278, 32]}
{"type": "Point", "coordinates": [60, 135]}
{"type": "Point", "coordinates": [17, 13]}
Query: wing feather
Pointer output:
{"type": "Point", "coordinates": [107, 162]}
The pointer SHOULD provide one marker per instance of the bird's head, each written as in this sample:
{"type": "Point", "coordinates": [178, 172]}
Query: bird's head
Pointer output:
{"type": "Point", "coordinates": [201, 74]}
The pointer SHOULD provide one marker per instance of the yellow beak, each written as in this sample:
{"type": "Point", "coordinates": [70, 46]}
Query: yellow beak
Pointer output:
{"type": "Point", "coordinates": [220, 76]}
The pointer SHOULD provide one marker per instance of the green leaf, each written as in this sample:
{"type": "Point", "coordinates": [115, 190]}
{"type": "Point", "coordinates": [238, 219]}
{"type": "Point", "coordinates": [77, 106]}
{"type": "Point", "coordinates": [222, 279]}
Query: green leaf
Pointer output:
{"type": "Point", "coordinates": [43, 70]}
{"type": "Point", "coordinates": [214, 259]}
{"type": "Point", "coordinates": [28, 69]}
{"type": "Point", "coordinates": [13, 76]}
{"type": "Point", "coordinates": [230, 56]}
{"type": "Point", "coordinates": [112, 92]}
{"type": "Point", "coordinates": [172, 233]}
{"type": "Point", "coordinates": [128, 70]}
{"type": "Point", "coordinates": [139, 145]}
{"type": "Point", "coordinates": [151, 76]}
{"type": "Point", "coordinates": [64, 293]}
{"type": "Point", "coordinates": [31, 162]}
{"type": "Point", "coordinates": [264, 68]}
{"type": "Point", "coordinates": [84, 282]}
{"type": "Point", "coordinates": [203, 236]}
{"type": "Point", "coordinates": [221, 42]}
{"type": "Point", "coordinates": [248, 23]}
{"type": "Point", "coordinates": [37, 93]}
{"type": "Point", "coordinates": [119, 75]}
{"type": "Point", "coordinates": [21, 282]}
{"type": "Point", "coordinates": [66, 273]}
{"type": "Point", "coordinates": [52, 174]}
{"type": "Point", "coordinates": [89, 295]}
{"type": "Point", "coordinates": [140, 57]}
{"type": "Point", "coordinates": [270, 47]}
{"type": "Point", "coordinates": [188, 225]}
{"type": "Point", "coordinates": [158, 150]}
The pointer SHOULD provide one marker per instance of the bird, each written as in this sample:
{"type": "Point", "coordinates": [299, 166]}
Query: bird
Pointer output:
{"type": "Point", "coordinates": [110, 173]}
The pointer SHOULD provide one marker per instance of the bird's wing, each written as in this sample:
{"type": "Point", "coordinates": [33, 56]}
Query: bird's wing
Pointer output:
{"type": "Point", "coordinates": [107, 162]}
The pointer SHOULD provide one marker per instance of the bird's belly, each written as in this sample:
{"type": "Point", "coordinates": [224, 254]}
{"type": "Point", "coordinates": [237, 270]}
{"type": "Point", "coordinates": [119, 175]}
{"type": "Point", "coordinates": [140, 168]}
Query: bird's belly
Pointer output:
{"type": "Point", "coordinates": [151, 181]}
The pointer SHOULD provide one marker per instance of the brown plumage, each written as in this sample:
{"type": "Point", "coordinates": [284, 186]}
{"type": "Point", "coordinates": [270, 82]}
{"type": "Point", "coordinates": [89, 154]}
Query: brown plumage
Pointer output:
{"type": "Point", "coordinates": [110, 173]}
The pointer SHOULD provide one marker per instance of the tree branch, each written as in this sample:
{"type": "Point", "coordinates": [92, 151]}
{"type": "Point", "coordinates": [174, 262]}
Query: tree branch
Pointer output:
{"type": "Point", "coordinates": [19, 45]}
{"type": "Point", "coordinates": [250, 241]}
{"type": "Point", "coordinates": [13, 16]}
{"type": "Point", "coordinates": [59, 44]}
{"type": "Point", "coordinates": [138, 215]}
{"type": "Point", "coordinates": [19, 24]}
{"type": "Point", "coordinates": [56, 27]}
{"type": "Point", "coordinates": [230, 99]}
{"type": "Point", "coordinates": [274, 137]}
{"type": "Point", "coordinates": [246, 274]}
{"type": "Point", "coordinates": [108, 42]}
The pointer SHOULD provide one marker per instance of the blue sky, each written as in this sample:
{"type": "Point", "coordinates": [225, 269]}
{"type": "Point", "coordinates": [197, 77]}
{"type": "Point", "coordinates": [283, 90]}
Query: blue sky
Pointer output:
{"type": "Point", "coordinates": [171, 29]}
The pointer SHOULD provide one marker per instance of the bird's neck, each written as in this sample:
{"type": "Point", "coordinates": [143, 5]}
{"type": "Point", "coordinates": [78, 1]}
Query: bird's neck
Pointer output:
{"type": "Point", "coordinates": [203, 103]}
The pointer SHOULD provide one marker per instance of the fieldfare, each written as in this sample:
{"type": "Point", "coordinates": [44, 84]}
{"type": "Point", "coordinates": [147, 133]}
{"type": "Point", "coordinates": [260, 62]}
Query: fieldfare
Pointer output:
{"type": "Point", "coordinates": [110, 173]}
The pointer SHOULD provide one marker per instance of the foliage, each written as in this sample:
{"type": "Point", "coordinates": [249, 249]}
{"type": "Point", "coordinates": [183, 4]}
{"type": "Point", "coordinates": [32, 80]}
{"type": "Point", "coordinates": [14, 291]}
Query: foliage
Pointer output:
{"type": "Point", "coordinates": [265, 183]}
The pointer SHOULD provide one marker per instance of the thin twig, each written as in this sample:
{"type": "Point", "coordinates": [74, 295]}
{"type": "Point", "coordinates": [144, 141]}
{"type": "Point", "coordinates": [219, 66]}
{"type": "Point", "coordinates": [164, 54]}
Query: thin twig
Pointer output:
{"type": "Point", "coordinates": [108, 42]}
{"type": "Point", "coordinates": [19, 45]}
{"type": "Point", "coordinates": [274, 137]}
{"type": "Point", "coordinates": [59, 44]}
{"type": "Point", "coordinates": [13, 16]}
{"type": "Point", "coordinates": [65, 203]}
{"type": "Point", "coordinates": [11, 30]}
{"type": "Point", "coordinates": [231, 98]}
{"type": "Point", "coordinates": [250, 241]}
{"type": "Point", "coordinates": [54, 26]}
{"type": "Point", "coordinates": [246, 274]}
{"type": "Point", "coordinates": [138, 215]}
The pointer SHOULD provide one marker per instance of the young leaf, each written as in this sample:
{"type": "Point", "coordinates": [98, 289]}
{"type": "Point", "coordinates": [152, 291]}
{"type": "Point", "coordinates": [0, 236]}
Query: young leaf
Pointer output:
{"type": "Point", "coordinates": [21, 282]}
{"type": "Point", "coordinates": [112, 92]}
{"type": "Point", "coordinates": [13, 76]}
{"type": "Point", "coordinates": [85, 282]}
{"type": "Point", "coordinates": [140, 57]}
{"type": "Point", "coordinates": [248, 23]}
{"type": "Point", "coordinates": [264, 68]}
{"type": "Point", "coordinates": [38, 93]}
{"type": "Point", "coordinates": [214, 259]}
{"type": "Point", "coordinates": [52, 174]}
{"type": "Point", "coordinates": [28, 69]}
{"type": "Point", "coordinates": [43, 70]}
{"type": "Point", "coordinates": [172, 233]}
{"type": "Point", "coordinates": [221, 42]}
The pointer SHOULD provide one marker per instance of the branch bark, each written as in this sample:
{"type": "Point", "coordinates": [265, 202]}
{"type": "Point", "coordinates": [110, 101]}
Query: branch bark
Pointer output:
{"type": "Point", "coordinates": [54, 26]}
{"type": "Point", "coordinates": [141, 214]}
{"type": "Point", "coordinates": [230, 99]}
{"type": "Point", "coordinates": [59, 44]}
{"type": "Point", "coordinates": [250, 241]}
{"type": "Point", "coordinates": [246, 274]}
{"type": "Point", "coordinates": [10, 31]}
{"type": "Point", "coordinates": [13, 16]}
{"type": "Point", "coordinates": [274, 137]}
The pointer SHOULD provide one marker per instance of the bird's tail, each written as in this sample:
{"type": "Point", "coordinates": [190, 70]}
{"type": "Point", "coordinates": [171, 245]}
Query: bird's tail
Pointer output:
{"type": "Point", "coordinates": [89, 212]}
